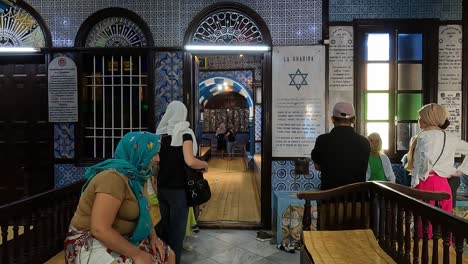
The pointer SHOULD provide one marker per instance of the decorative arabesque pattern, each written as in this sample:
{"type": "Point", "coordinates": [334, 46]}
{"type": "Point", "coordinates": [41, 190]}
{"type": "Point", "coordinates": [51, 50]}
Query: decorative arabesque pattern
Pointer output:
{"type": "Point", "coordinates": [116, 32]}
{"type": "Point", "coordinates": [19, 29]}
{"type": "Point", "coordinates": [227, 28]}
{"type": "Point", "coordinates": [235, 119]}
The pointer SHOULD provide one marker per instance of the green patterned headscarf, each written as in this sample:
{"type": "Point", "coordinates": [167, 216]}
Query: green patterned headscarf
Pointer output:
{"type": "Point", "coordinates": [132, 157]}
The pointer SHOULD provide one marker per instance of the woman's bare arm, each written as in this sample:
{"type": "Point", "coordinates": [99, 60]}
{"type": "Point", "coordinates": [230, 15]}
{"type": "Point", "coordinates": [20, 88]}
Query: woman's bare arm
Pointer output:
{"type": "Point", "coordinates": [190, 160]}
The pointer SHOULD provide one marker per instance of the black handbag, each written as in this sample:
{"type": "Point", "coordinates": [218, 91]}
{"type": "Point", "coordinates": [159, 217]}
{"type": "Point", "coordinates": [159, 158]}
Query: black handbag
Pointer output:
{"type": "Point", "coordinates": [197, 189]}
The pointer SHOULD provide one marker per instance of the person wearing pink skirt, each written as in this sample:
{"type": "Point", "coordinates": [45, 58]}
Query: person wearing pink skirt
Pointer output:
{"type": "Point", "coordinates": [432, 155]}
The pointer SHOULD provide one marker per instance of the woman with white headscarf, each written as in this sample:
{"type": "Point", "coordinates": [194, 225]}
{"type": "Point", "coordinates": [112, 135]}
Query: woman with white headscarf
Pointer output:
{"type": "Point", "coordinates": [431, 156]}
{"type": "Point", "coordinates": [178, 148]}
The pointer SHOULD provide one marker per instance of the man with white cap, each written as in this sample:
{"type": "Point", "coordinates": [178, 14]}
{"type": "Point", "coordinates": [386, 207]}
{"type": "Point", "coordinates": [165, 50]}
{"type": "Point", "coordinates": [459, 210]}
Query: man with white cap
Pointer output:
{"type": "Point", "coordinates": [342, 154]}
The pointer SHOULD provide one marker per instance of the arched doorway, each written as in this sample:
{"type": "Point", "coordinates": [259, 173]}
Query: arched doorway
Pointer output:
{"type": "Point", "coordinates": [234, 31]}
{"type": "Point", "coordinates": [213, 86]}
{"type": "Point", "coordinates": [26, 136]}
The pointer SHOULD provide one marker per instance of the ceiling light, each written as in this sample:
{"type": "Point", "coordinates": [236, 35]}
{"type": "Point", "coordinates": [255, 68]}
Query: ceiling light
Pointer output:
{"type": "Point", "coordinates": [226, 48]}
{"type": "Point", "coordinates": [18, 50]}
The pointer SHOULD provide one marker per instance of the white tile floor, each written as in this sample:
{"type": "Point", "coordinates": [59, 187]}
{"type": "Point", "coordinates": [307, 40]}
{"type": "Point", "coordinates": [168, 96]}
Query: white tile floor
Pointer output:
{"type": "Point", "coordinates": [214, 246]}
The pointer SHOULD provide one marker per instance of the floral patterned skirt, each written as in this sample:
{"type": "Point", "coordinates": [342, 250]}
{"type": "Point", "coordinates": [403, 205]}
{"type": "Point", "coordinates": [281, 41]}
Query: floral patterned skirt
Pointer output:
{"type": "Point", "coordinates": [82, 247]}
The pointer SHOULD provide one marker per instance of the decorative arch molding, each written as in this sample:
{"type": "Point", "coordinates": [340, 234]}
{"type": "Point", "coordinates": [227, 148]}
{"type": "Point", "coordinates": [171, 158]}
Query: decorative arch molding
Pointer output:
{"type": "Point", "coordinates": [114, 27]}
{"type": "Point", "coordinates": [208, 89]}
{"type": "Point", "coordinates": [228, 23]}
{"type": "Point", "coordinates": [22, 26]}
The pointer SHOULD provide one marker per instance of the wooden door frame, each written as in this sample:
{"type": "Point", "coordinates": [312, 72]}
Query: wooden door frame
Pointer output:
{"type": "Point", "coordinates": [188, 93]}
{"type": "Point", "coordinates": [188, 99]}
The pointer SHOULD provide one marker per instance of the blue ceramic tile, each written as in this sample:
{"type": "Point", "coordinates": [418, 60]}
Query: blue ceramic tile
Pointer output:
{"type": "Point", "coordinates": [258, 122]}
{"type": "Point", "coordinates": [66, 174]}
{"type": "Point", "coordinates": [284, 178]}
{"type": "Point", "coordinates": [168, 20]}
{"type": "Point", "coordinates": [168, 72]}
{"type": "Point", "coordinates": [64, 140]}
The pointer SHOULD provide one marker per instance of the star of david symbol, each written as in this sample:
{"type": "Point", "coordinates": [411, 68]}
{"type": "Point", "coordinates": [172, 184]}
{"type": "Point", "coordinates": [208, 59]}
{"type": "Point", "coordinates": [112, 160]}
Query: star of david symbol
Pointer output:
{"type": "Point", "coordinates": [300, 83]}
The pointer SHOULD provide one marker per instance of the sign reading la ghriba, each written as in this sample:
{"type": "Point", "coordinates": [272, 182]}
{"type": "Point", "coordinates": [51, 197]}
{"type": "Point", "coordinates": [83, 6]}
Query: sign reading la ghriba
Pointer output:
{"type": "Point", "coordinates": [298, 99]}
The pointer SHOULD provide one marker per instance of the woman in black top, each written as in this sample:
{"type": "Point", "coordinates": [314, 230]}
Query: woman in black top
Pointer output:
{"type": "Point", "coordinates": [220, 139]}
{"type": "Point", "coordinates": [230, 136]}
{"type": "Point", "coordinates": [178, 149]}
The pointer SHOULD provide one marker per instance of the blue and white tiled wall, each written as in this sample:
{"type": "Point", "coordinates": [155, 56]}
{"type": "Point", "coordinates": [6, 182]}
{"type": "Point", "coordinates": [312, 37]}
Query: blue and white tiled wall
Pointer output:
{"type": "Point", "coordinates": [64, 148]}
{"type": "Point", "coordinates": [66, 174]}
{"type": "Point", "coordinates": [290, 22]}
{"type": "Point", "coordinates": [258, 128]}
{"type": "Point", "coordinates": [284, 178]}
{"type": "Point", "coordinates": [168, 72]}
{"type": "Point", "coordinates": [64, 140]}
{"type": "Point", "coordinates": [347, 10]}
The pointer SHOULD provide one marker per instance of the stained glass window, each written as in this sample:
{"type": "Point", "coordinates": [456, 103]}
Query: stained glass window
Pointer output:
{"type": "Point", "coordinates": [116, 32]}
{"type": "Point", "coordinates": [227, 28]}
{"type": "Point", "coordinates": [18, 28]}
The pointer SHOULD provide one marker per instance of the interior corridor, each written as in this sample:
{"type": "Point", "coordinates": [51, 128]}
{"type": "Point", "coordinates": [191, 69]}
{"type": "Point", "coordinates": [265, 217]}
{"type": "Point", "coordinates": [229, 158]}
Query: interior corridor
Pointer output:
{"type": "Point", "coordinates": [234, 195]}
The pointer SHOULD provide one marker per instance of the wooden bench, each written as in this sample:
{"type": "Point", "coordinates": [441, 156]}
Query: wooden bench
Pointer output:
{"type": "Point", "coordinates": [386, 211]}
{"type": "Point", "coordinates": [33, 229]}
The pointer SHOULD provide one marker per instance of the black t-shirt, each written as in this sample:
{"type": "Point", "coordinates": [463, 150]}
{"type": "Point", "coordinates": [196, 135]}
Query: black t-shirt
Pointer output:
{"type": "Point", "coordinates": [231, 136]}
{"type": "Point", "coordinates": [171, 167]}
{"type": "Point", "coordinates": [342, 155]}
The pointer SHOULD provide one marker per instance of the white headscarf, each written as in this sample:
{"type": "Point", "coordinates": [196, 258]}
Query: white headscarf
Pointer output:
{"type": "Point", "coordinates": [221, 129]}
{"type": "Point", "coordinates": [174, 124]}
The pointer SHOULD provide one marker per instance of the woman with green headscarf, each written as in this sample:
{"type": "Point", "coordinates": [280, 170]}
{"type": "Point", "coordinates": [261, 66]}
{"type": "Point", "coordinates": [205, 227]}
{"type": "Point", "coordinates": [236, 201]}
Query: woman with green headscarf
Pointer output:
{"type": "Point", "coordinates": [112, 223]}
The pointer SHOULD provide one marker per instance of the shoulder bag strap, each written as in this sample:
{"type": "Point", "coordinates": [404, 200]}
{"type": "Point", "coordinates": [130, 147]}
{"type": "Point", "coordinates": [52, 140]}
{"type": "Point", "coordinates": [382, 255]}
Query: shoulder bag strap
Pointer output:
{"type": "Point", "coordinates": [443, 147]}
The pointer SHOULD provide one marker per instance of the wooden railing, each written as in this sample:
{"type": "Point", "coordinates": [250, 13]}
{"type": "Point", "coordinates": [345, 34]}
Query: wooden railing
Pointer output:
{"type": "Point", "coordinates": [33, 229]}
{"type": "Point", "coordinates": [389, 210]}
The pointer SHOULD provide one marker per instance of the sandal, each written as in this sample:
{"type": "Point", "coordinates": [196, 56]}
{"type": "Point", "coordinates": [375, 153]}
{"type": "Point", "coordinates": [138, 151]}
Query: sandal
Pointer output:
{"type": "Point", "coordinates": [286, 248]}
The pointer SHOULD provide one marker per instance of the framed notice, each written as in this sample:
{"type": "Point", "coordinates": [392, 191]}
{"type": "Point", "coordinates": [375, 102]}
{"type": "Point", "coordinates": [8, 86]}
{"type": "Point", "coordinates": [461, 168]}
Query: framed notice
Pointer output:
{"type": "Point", "coordinates": [452, 101]}
{"type": "Point", "coordinates": [298, 95]}
{"type": "Point", "coordinates": [63, 93]}
{"type": "Point", "coordinates": [450, 58]}
{"type": "Point", "coordinates": [340, 59]}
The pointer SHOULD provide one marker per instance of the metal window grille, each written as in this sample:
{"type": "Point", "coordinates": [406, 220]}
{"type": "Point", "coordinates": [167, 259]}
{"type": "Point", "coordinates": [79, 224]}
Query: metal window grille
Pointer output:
{"type": "Point", "coordinates": [115, 98]}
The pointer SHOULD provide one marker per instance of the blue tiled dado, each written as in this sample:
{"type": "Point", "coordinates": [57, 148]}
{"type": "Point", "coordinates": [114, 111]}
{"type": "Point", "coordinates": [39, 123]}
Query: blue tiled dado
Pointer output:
{"type": "Point", "coordinates": [284, 178]}
{"type": "Point", "coordinates": [64, 140]}
{"type": "Point", "coordinates": [66, 174]}
{"type": "Point", "coordinates": [347, 10]}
